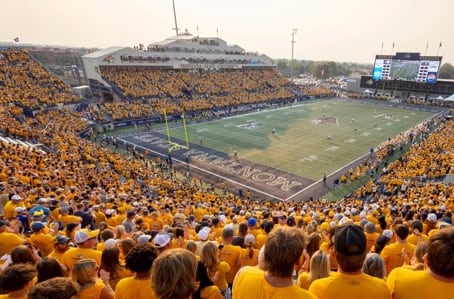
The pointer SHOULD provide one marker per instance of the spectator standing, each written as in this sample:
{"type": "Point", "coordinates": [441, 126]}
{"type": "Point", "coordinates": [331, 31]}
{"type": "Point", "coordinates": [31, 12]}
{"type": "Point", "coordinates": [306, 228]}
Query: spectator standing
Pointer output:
{"type": "Point", "coordinates": [350, 282]}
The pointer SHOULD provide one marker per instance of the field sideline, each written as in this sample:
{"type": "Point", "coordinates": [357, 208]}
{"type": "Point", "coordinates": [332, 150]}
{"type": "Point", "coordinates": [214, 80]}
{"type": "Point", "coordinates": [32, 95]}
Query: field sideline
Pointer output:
{"type": "Point", "coordinates": [309, 139]}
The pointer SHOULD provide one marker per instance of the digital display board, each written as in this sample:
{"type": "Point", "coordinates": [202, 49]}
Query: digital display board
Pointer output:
{"type": "Point", "coordinates": [407, 67]}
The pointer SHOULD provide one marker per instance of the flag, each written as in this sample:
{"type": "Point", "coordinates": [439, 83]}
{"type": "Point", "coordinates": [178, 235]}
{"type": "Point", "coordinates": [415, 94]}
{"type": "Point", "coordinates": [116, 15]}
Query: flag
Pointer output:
{"type": "Point", "coordinates": [427, 46]}
{"type": "Point", "coordinates": [393, 45]}
{"type": "Point", "coordinates": [16, 40]}
{"type": "Point", "coordinates": [440, 45]}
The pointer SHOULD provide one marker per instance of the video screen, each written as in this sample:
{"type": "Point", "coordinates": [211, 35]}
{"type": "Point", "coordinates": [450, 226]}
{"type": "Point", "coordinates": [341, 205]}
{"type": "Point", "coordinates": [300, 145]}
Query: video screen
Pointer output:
{"type": "Point", "coordinates": [407, 67]}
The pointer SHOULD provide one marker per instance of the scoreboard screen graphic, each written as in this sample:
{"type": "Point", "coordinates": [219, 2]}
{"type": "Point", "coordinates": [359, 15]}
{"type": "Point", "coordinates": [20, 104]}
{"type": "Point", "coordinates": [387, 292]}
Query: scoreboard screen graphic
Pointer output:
{"type": "Point", "coordinates": [407, 67]}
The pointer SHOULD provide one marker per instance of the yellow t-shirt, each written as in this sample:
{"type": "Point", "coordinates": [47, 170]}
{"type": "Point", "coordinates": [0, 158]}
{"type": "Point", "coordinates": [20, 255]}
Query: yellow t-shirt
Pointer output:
{"type": "Point", "coordinates": [245, 260]}
{"type": "Point", "coordinates": [419, 284]}
{"type": "Point", "coordinates": [73, 255]}
{"type": "Point", "coordinates": [44, 242]}
{"type": "Point", "coordinates": [392, 255]}
{"type": "Point", "coordinates": [211, 292]}
{"type": "Point", "coordinates": [130, 287]}
{"type": "Point", "coordinates": [414, 239]}
{"type": "Point", "coordinates": [346, 286]}
{"type": "Point", "coordinates": [91, 292]}
{"type": "Point", "coordinates": [250, 283]}
{"type": "Point", "coordinates": [231, 255]}
{"type": "Point", "coordinates": [8, 241]}
{"type": "Point", "coordinates": [221, 281]}
{"type": "Point", "coordinates": [57, 255]}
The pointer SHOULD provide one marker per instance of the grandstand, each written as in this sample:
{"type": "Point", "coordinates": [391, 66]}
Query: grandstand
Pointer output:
{"type": "Point", "coordinates": [50, 148]}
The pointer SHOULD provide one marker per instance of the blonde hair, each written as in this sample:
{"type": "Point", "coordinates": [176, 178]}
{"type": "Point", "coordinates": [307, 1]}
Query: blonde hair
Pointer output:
{"type": "Point", "coordinates": [174, 274]}
{"type": "Point", "coordinates": [191, 246]}
{"type": "Point", "coordinates": [209, 257]}
{"type": "Point", "coordinates": [374, 265]}
{"type": "Point", "coordinates": [84, 272]}
{"type": "Point", "coordinates": [120, 232]}
{"type": "Point", "coordinates": [320, 266]}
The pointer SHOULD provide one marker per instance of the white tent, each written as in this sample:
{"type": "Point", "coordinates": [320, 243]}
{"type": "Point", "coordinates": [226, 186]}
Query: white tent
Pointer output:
{"type": "Point", "coordinates": [439, 98]}
{"type": "Point", "coordinates": [450, 98]}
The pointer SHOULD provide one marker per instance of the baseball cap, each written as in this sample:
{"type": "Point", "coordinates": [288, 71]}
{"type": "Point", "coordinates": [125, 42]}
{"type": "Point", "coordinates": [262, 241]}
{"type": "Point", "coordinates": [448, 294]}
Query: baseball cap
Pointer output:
{"type": "Point", "coordinates": [36, 226]}
{"type": "Point", "coordinates": [20, 209]}
{"type": "Point", "coordinates": [84, 235]}
{"type": "Point", "coordinates": [432, 217]}
{"type": "Point", "coordinates": [42, 200]}
{"type": "Point", "coordinates": [143, 239]}
{"type": "Point", "coordinates": [161, 240]}
{"type": "Point", "coordinates": [349, 240]}
{"type": "Point", "coordinates": [62, 239]}
{"type": "Point", "coordinates": [203, 234]}
{"type": "Point", "coordinates": [252, 221]}
{"type": "Point", "coordinates": [388, 233]}
{"type": "Point", "coordinates": [16, 197]}
{"type": "Point", "coordinates": [249, 239]}
{"type": "Point", "coordinates": [110, 243]}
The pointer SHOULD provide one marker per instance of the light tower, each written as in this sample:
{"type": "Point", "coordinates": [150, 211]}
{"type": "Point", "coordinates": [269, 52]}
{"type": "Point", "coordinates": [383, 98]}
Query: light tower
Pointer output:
{"type": "Point", "coordinates": [294, 31]}
{"type": "Point", "coordinates": [175, 17]}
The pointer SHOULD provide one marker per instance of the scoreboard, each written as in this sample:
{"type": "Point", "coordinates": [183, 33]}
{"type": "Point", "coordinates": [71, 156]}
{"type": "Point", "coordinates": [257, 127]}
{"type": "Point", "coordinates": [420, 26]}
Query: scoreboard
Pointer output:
{"type": "Point", "coordinates": [407, 67]}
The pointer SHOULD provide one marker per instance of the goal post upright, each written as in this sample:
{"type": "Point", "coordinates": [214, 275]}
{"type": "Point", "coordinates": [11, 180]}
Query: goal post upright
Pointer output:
{"type": "Point", "coordinates": [185, 130]}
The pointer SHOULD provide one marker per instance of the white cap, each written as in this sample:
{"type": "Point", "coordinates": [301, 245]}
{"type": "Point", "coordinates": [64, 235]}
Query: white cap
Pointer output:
{"type": "Point", "coordinates": [432, 217]}
{"type": "Point", "coordinates": [161, 240]}
{"type": "Point", "coordinates": [203, 234]}
{"type": "Point", "coordinates": [110, 243]}
{"type": "Point", "coordinates": [16, 197]}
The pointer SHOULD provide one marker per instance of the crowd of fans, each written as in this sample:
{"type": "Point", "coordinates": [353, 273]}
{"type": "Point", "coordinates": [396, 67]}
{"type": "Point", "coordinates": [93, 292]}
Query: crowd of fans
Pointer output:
{"type": "Point", "coordinates": [79, 219]}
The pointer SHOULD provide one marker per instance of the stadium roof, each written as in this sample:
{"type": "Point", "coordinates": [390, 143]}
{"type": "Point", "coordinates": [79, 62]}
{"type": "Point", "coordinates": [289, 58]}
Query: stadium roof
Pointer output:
{"type": "Point", "coordinates": [103, 52]}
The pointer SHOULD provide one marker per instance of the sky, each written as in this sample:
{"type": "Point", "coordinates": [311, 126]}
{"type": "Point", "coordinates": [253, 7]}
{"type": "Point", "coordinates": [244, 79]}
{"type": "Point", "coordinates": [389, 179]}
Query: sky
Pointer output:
{"type": "Point", "coordinates": [333, 30]}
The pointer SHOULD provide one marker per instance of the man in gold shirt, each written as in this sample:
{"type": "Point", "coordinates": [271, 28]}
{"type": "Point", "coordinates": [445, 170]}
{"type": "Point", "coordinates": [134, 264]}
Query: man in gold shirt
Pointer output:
{"type": "Point", "coordinates": [283, 249]}
{"type": "Point", "coordinates": [8, 241]}
{"type": "Point", "coordinates": [392, 254]}
{"type": "Point", "coordinates": [40, 239]}
{"type": "Point", "coordinates": [86, 240]}
{"type": "Point", "coordinates": [350, 282]}
{"type": "Point", "coordinates": [437, 281]}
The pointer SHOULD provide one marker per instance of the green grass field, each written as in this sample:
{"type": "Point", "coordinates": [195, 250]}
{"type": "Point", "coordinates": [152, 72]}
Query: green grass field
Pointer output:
{"type": "Point", "coordinates": [300, 144]}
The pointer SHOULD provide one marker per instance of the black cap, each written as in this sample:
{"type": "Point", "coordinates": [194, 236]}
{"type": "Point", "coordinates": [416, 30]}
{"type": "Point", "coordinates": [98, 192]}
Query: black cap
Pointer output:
{"type": "Point", "coordinates": [349, 240]}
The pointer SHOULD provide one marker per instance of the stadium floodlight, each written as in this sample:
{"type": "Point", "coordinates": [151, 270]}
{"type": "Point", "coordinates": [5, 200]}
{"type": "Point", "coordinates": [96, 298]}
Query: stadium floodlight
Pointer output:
{"type": "Point", "coordinates": [294, 31]}
{"type": "Point", "coordinates": [175, 17]}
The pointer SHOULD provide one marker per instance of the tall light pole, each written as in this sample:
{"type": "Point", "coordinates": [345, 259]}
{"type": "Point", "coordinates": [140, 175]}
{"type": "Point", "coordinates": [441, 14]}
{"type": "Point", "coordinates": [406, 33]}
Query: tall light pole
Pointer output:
{"type": "Point", "coordinates": [175, 17]}
{"type": "Point", "coordinates": [294, 31]}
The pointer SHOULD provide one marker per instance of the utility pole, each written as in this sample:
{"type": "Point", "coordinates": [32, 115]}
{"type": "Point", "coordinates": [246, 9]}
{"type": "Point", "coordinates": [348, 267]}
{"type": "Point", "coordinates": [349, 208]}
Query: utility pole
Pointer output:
{"type": "Point", "coordinates": [291, 61]}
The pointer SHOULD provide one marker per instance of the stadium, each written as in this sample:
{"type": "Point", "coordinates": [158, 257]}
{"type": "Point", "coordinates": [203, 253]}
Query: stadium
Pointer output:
{"type": "Point", "coordinates": [192, 132]}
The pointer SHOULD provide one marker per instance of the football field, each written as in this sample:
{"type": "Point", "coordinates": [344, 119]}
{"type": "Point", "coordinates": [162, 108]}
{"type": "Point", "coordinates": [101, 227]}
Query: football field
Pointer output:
{"type": "Point", "coordinates": [307, 139]}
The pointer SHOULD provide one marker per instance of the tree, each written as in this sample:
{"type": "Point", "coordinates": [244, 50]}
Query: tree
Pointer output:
{"type": "Point", "coordinates": [447, 71]}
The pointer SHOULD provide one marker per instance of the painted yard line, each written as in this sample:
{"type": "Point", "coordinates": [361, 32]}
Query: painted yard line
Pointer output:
{"type": "Point", "coordinates": [207, 171]}
{"type": "Point", "coordinates": [318, 182]}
